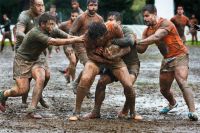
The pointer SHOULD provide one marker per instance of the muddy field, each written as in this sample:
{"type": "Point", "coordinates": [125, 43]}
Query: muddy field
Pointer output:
{"type": "Point", "coordinates": [61, 100]}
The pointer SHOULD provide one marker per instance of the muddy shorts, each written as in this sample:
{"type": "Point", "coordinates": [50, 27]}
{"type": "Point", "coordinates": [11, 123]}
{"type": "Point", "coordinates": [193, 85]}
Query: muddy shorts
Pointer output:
{"type": "Point", "coordinates": [23, 68]}
{"type": "Point", "coordinates": [132, 69]}
{"type": "Point", "coordinates": [104, 67]}
{"type": "Point", "coordinates": [169, 64]}
{"type": "Point", "coordinates": [7, 34]}
{"type": "Point", "coordinates": [193, 31]}
{"type": "Point", "coordinates": [81, 53]}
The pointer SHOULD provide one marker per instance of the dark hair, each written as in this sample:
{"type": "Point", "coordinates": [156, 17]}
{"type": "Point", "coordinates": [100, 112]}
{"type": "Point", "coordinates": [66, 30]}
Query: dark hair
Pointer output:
{"type": "Point", "coordinates": [75, 11]}
{"type": "Point", "coordinates": [150, 8]}
{"type": "Point", "coordinates": [92, 1]}
{"type": "Point", "coordinates": [96, 29]}
{"type": "Point", "coordinates": [74, 1]}
{"type": "Point", "coordinates": [179, 6]}
{"type": "Point", "coordinates": [32, 2]}
{"type": "Point", "coordinates": [117, 15]}
{"type": "Point", "coordinates": [46, 17]}
{"type": "Point", "coordinates": [52, 6]}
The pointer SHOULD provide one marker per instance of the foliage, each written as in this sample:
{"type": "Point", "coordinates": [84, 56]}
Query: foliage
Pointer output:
{"type": "Point", "coordinates": [190, 7]}
{"type": "Point", "coordinates": [189, 42]}
{"type": "Point", "coordinates": [129, 8]}
{"type": "Point", "coordinates": [122, 6]}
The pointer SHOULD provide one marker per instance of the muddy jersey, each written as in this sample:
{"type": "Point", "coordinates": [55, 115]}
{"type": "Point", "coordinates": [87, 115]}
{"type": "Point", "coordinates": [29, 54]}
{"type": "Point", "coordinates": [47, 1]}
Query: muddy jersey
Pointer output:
{"type": "Point", "coordinates": [28, 21]}
{"type": "Point", "coordinates": [65, 26]}
{"type": "Point", "coordinates": [193, 22]}
{"type": "Point", "coordinates": [180, 22]}
{"type": "Point", "coordinates": [36, 41]}
{"type": "Point", "coordinates": [114, 31]}
{"type": "Point", "coordinates": [132, 56]}
{"type": "Point", "coordinates": [7, 25]}
{"type": "Point", "coordinates": [171, 45]}
{"type": "Point", "coordinates": [80, 27]}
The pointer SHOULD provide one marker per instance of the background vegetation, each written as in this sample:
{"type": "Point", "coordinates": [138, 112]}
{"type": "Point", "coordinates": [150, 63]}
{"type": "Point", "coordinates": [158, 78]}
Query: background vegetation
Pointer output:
{"type": "Point", "coordinates": [129, 8]}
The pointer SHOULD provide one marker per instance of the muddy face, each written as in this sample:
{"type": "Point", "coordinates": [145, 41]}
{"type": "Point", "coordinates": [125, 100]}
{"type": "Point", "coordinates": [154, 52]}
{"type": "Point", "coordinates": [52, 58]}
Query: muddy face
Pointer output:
{"type": "Point", "coordinates": [92, 8]}
{"type": "Point", "coordinates": [38, 7]}
{"type": "Point", "coordinates": [74, 16]}
{"type": "Point", "coordinates": [180, 10]}
{"type": "Point", "coordinates": [75, 5]}
{"type": "Point", "coordinates": [149, 18]}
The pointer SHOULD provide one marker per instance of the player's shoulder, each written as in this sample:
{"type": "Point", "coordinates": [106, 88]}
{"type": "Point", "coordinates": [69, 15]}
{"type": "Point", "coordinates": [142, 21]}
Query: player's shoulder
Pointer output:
{"type": "Point", "coordinates": [24, 15]}
{"type": "Point", "coordinates": [127, 29]}
{"type": "Point", "coordinates": [185, 17]}
{"type": "Point", "coordinates": [164, 22]}
{"type": "Point", "coordinates": [173, 18]}
{"type": "Point", "coordinates": [99, 16]}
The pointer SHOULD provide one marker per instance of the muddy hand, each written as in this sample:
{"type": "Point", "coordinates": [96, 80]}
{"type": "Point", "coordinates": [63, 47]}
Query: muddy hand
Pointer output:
{"type": "Point", "coordinates": [99, 50]}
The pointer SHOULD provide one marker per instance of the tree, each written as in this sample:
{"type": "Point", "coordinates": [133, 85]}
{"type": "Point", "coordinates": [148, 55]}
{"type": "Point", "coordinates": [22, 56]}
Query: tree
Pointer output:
{"type": "Point", "coordinates": [122, 6]}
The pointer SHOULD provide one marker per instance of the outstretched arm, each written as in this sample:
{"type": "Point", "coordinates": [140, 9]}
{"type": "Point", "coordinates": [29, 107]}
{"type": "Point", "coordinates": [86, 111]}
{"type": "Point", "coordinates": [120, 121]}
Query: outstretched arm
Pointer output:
{"type": "Point", "coordinates": [143, 44]}
{"type": "Point", "coordinates": [157, 36]}
{"type": "Point", "coordinates": [125, 41]}
{"type": "Point", "coordinates": [67, 41]}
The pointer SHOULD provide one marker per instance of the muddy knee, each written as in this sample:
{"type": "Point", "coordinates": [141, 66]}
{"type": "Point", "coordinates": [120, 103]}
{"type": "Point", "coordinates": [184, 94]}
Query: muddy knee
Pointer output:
{"type": "Point", "coordinates": [22, 90]}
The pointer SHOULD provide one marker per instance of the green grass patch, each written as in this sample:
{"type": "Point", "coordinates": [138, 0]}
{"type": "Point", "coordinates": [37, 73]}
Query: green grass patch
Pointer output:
{"type": "Point", "coordinates": [7, 43]}
{"type": "Point", "coordinates": [190, 43]}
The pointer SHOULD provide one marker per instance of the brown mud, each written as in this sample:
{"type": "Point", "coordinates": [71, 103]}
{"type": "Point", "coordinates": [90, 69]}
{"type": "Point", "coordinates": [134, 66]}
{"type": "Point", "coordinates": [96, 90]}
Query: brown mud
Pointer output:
{"type": "Point", "coordinates": [61, 100]}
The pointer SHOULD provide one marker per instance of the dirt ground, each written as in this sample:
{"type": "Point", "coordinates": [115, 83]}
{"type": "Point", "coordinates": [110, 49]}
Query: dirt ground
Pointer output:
{"type": "Point", "coordinates": [61, 100]}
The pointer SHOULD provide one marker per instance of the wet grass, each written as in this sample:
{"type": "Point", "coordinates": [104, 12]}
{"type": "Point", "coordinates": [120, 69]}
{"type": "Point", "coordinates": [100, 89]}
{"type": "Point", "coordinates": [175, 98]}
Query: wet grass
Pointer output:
{"type": "Point", "coordinates": [190, 43]}
{"type": "Point", "coordinates": [7, 43]}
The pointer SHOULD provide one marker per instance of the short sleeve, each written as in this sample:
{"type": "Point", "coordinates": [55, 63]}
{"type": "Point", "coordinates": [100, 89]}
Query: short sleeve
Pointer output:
{"type": "Point", "coordinates": [22, 20]}
{"type": "Point", "coordinates": [41, 37]}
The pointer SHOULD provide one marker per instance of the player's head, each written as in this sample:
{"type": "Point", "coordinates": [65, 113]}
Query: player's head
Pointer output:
{"type": "Point", "coordinates": [114, 16]}
{"type": "Point", "coordinates": [37, 7]}
{"type": "Point", "coordinates": [52, 8]}
{"type": "Point", "coordinates": [75, 4]}
{"type": "Point", "coordinates": [96, 31]}
{"type": "Point", "coordinates": [5, 16]}
{"type": "Point", "coordinates": [149, 14]}
{"type": "Point", "coordinates": [47, 22]}
{"type": "Point", "coordinates": [92, 6]}
{"type": "Point", "coordinates": [74, 14]}
{"type": "Point", "coordinates": [193, 16]}
{"type": "Point", "coordinates": [180, 10]}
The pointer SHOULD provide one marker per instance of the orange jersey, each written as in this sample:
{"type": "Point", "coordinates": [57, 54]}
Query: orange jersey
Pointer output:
{"type": "Point", "coordinates": [171, 45]}
{"type": "Point", "coordinates": [180, 22]}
